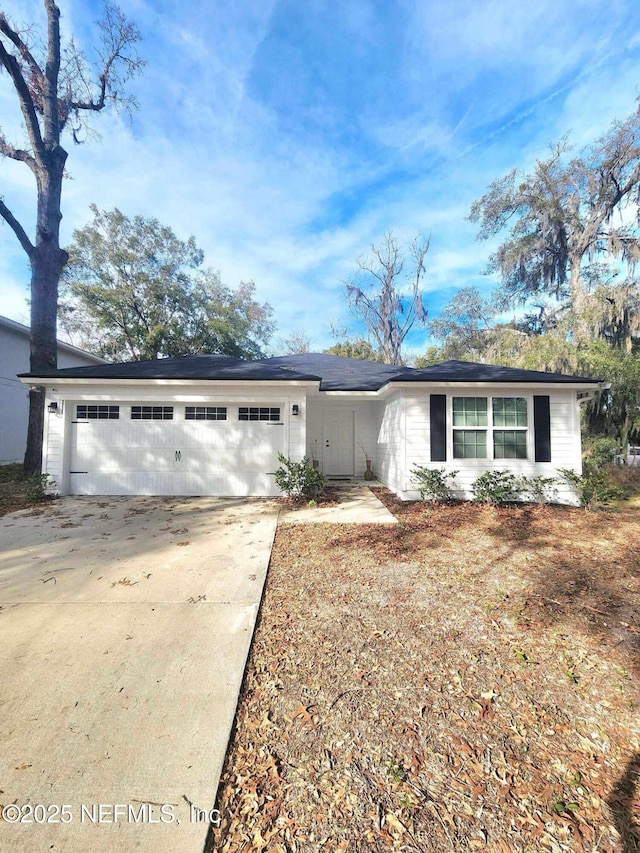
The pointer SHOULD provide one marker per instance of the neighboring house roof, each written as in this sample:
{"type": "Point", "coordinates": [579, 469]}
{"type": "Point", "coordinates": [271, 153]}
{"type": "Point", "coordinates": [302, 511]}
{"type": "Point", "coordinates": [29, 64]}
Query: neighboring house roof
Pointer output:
{"type": "Point", "coordinates": [333, 372]}
{"type": "Point", "coordinates": [14, 326]}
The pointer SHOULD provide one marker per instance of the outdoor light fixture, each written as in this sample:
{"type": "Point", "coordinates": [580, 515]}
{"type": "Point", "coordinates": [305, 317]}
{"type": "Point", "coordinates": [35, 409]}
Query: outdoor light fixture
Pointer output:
{"type": "Point", "coordinates": [295, 409]}
{"type": "Point", "coordinates": [53, 407]}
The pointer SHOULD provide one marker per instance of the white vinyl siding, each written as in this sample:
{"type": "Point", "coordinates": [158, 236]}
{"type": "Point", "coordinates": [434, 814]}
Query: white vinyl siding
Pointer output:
{"type": "Point", "coordinates": [390, 464]}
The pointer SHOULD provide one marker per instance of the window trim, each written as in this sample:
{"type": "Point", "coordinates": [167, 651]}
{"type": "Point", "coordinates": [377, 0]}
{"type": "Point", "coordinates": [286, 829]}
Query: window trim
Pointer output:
{"type": "Point", "coordinates": [490, 429]}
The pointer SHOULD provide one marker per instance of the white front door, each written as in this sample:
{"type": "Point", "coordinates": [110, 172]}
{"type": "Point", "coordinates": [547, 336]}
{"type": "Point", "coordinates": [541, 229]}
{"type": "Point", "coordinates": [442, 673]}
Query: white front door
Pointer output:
{"type": "Point", "coordinates": [338, 442]}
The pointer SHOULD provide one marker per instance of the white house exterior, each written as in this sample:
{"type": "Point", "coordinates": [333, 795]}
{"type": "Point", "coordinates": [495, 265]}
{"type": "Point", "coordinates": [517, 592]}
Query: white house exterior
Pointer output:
{"type": "Point", "coordinates": [14, 396]}
{"type": "Point", "coordinates": [213, 425]}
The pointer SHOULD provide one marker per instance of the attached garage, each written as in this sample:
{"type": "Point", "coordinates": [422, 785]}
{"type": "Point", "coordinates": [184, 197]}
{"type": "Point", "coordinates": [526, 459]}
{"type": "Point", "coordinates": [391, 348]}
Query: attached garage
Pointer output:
{"type": "Point", "coordinates": [164, 448]}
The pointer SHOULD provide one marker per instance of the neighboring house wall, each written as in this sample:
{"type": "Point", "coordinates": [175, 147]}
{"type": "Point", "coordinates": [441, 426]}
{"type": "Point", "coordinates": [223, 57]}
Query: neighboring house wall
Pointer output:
{"type": "Point", "coordinates": [14, 396]}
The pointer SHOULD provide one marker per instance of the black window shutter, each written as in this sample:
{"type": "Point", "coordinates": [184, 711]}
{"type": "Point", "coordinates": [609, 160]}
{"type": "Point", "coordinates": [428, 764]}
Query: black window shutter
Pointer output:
{"type": "Point", "coordinates": [438, 417]}
{"type": "Point", "coordinates": [542, 427]}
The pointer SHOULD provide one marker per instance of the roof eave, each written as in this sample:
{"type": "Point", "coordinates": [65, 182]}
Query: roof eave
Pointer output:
{"type": "Point", "coordinates": [28, 379]}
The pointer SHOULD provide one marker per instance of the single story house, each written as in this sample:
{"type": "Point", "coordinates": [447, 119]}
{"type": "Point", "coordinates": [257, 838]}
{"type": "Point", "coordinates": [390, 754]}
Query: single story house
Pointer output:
{"type": "Point", "coordinates": [14, 396]}
{"type": "Point", "coordinates": [214, 425]}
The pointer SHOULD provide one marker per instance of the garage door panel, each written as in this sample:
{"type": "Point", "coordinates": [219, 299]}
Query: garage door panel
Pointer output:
{"type": "Point", "coordinates": [125, 457]}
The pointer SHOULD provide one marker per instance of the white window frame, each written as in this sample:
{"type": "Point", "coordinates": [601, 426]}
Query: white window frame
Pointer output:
{"type": "Point", "coordinates": [489, 429]}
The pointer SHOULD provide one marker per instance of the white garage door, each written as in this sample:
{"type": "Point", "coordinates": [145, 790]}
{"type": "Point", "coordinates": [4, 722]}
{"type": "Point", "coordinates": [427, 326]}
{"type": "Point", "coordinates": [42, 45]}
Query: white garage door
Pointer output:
{"type": "Point", "coordinates": [175, 449]}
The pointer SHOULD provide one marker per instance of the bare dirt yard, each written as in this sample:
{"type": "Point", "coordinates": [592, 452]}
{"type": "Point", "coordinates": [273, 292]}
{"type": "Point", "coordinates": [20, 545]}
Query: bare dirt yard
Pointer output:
{"type": "Point", "coordinates": [464, 680]}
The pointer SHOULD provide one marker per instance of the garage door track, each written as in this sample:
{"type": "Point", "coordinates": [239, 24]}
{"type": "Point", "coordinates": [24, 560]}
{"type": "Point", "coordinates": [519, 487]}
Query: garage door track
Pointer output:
{"type": "Point", "coordinates": [124, 629]}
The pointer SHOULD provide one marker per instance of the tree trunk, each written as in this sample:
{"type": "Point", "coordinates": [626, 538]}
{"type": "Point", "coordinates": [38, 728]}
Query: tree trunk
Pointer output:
{"type": "Point", "coordinates": [47, 263]}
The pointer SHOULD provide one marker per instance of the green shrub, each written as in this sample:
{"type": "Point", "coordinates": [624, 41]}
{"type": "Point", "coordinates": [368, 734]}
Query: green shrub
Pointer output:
{"type": "Point", "coordinates": [497, 487]}
{"type": "Point", "coordinates": [434, 484]}
{"type": "Point", "coordinates": [36, 488]}
{"type": "Point", "coordinates": [298, 480]}
{"type": "Point", "coordinates": [600, 450]}
{"type": "Point", "coordinates": [539, 490]}
{"type": "Point", "coordinates": [593, 487]}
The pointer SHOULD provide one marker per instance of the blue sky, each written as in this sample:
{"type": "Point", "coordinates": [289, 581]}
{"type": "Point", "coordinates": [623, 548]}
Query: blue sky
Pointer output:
{"type": "Point", "coordinates": [289, 136]}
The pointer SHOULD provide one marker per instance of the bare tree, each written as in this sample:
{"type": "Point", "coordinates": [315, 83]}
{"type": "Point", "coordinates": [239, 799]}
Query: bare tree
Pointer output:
{"type": "Point", "coordinates": [296, 342]}
{"type": "Point", "coordinates": [385, 294]}
{"type": "Point", "coordinates": [56, 88]}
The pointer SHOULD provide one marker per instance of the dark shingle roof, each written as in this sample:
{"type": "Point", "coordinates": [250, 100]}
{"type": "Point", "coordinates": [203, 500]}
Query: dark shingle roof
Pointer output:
{"type": "Point", "coordinates": [471, 371]}
{"type": "Point", "coordinates": [351, 374]}
{"type": "Point", "coordinates": [341, 374]}
{"type": "Point", "coordinates": [219, 367]}
{"type": "Point", "coordinates": [333, 372]}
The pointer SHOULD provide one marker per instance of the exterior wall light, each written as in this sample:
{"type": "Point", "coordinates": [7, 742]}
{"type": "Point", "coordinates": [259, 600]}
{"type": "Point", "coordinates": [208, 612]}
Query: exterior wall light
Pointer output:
{"type": "Point", "coordinates": [53, 408]}
{"type": "Point", "coordinates": [295, 409]}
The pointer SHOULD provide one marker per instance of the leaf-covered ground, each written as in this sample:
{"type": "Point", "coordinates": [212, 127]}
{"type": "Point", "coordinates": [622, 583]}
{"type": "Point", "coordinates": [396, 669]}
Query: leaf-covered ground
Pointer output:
{"type": "Point", "coordinates": [465, 680]}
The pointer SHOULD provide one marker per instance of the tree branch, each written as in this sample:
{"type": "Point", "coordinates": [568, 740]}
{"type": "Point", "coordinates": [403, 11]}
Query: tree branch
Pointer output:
{"type": "Point", "coordinates": [18, 230]}
{"type": "Point", "coordinates": [25, 53]}
{"type": "Point", "coordinates": [24, 96]}
{"type": "Point", "coordinates": [16, 153]}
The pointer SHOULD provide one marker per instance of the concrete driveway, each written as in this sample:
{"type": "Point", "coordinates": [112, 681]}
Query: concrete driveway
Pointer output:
{"type": "Point", "coordinates": [125, 625]}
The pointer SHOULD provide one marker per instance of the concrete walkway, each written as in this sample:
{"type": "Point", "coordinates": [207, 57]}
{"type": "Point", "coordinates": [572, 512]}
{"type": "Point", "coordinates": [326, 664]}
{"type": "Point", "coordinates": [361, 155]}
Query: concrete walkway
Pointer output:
{"type": "Point", "coordinates": [124, 629]}
{"type": "Point", "coordinates": [357, 504]}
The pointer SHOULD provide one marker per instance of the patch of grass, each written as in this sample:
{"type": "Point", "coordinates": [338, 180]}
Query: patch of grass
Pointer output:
{"type": "Point", "coordinates": [11, 473]}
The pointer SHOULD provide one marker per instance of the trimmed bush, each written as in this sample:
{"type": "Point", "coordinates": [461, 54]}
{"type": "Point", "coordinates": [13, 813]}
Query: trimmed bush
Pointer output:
{"type": "Point", "coordinates": [435, 484]}
{"type": "Point", "coordinates": [497, 487]}
{"type": "Point", "coordinates": [298, 480]}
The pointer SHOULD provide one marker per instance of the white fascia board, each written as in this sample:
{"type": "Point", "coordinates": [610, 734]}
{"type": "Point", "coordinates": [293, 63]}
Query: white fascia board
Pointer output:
{"type": "Point", "coordinates": [513, 385]}
{"type": "Point", "coordinates": [350, 394]}
{"type": "Point", "coordinates": [48, 382]}
{"type": "Point", "coordinates": [390, 387]}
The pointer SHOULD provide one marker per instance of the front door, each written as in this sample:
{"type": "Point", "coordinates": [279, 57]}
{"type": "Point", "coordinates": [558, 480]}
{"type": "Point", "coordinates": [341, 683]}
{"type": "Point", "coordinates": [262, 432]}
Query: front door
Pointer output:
{"type": "Point", "coordinates": [338, 443]}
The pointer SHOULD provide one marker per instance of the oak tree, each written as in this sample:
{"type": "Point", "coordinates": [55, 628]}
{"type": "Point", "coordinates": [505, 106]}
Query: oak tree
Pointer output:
{"type": "Point", "coordinates": [568, 212]}
{"type": "Point", "coordinates": [57, 89]}
{"type": "Point", "coordinates": [133, 290]}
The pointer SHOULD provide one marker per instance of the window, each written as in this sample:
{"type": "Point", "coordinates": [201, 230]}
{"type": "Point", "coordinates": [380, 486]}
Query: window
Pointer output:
{"type": "Point", "coordinates": [151, 413]}
{"type": "Point", "coordinates": [509, 412]}
{"type": "Point", "coordinates": [471, 427]}
{"type": "Point", "coordinates": [470, 444]}
{"type": "Point", "coordinates": [470, 411]}
{"type": "Point", "coordinates": [510, 443]}
{"type": "Point", "coordinates": [98, 413]}
{"type": "Point", "coordinates": [258, 413]}
{"type": "Point", "coordinates": [205, 413]}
